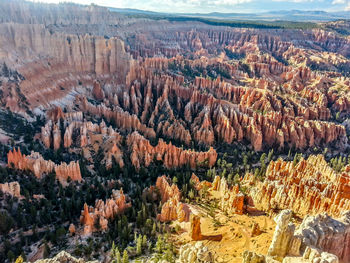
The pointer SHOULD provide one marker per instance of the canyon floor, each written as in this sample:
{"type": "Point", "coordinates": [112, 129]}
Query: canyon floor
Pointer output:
{"type": "Point", "coordinates": [235, 229]}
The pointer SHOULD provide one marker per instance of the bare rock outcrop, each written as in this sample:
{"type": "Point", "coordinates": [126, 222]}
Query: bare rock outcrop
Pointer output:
{"type": "Point", "coordinates": [39, 166]}
{"type": "Point", "coordinates": [252, 257]}
{"type": "Point", "coordinates": [309, 187]}
{"type": "Point", "coordinates": [326, 234]}
{"type": "Point", "coordinates": [197, 253]}
{"type": "Point", "coordinates": [142, 152]}
{"type": "Point", "coordinates": [318, 238]}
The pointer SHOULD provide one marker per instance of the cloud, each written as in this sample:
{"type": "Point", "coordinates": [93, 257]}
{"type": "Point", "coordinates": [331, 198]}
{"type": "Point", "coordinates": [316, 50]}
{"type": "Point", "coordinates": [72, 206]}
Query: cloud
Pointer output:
{"type": "Point", "coordinates": [337, 2]}
{"type": "Point", "coordinates": [342, 2]}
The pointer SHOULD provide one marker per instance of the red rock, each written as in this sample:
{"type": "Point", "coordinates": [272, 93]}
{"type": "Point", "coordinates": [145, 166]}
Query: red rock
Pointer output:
{"type": "Point", "coordinates": [196, 233]}
{"type": "Point", "coordinates": [71, 229]}
{"type": "Point", "coordinates": [255, 230]}
{"type": "Point", "coordinates": [144, 153]}
{"type": "Point", "coordinates": [35, 163]}
{"type": "Point", "coordinates": [55, 114]}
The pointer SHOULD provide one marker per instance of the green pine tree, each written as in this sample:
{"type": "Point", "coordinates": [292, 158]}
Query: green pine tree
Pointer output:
{"type": "Point", "coordinates": [139, 245]}
{"type": "Point", "coordinates": [125, 257]}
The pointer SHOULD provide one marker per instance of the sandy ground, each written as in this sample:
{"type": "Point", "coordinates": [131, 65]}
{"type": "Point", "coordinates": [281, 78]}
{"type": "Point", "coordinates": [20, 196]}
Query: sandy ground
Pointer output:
{"type": "Point", "coordinates": [235, 229]}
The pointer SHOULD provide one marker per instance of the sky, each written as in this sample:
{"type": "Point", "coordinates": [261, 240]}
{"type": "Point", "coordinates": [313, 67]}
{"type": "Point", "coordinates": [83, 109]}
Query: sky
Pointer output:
{"type": "Point", "coordinates": [227, 6]}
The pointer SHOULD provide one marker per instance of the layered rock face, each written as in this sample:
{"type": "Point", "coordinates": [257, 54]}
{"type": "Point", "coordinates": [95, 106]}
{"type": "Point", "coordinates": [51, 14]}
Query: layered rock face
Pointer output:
{"type": "Point", "coordinates": [172, 208]}
{"type": "Point", "coordinates": [319, 238]}
{"type": "Point", "coordinates": [12, 188]}
{"type": "Point", "coordinates": [47, 14]}
{"type": "Point", "coordinates": [309, 187]}
{"type": "Point", "coordinates": [53, 64]}
{"type": "Point", "coordinates": [102, 212]}
{"type": "Point", "coordinates": [39, 166]}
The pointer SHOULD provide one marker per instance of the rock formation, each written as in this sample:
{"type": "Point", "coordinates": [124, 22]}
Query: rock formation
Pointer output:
{"type": "Point", "coordinates": [326, 234]}
{"type": "Point", "coordinates": [255, 230]}
{"type": "Point", "coordinates": [71, 229]}
{"type": "Point", "coordinates": [87, 131]}
{"type": "Point", "coordinates": [36, 164]}
{"type": "Point", "coordinates": [231, 199]}
{"type": "Point", "coordinates": [196, 253]}
{"type": "Point", "coordinates": [63, 256]}
{"type": "Point", "coordinates": [319, 238]}
{"type": "Point", "coordinates": [309, 187]}
{"type": "Point", "coordinates": [283, 235]}
{"type": "Point", "coordinates": [198, 185]}
{"type": "Point", "coordinates": [196, 233]}
{"type": "Point", "coordinates": [252, 257]}
{"type": "Point", "coordinates": [102, 212]}
{"type": "Point", "coordinates": [151, 86]}
{"type": "Point", "coordinates": [142, 152]}
{"type": "Point", "coordinates": [12, 188]}
{"type": "Point", "coordinates": [172, 208]}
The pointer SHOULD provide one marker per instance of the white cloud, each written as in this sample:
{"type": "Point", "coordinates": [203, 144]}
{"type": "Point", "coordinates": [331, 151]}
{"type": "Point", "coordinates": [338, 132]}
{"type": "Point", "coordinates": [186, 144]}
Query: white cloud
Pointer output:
{"type": "Point", "coordinates": [337, 2]}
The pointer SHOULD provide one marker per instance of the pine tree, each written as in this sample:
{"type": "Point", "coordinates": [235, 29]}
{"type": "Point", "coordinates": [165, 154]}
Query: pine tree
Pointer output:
{"type": "Point", "coordinates": [125, 257]}
{"type": "Point", "coordinates": [169, 255]}
{"type": "Point", "coordinates": [154, 229]}
{"type": "Point", "coordinates": [117, 255]}
{"type": "Point", "coordinates": [159, 245]}
{"type": "Point", "coordinates": [269, 156]}
{"type": "Point", "coordinates": [139, 245]}
{"type": "Point", "coordinates": [47, 251]}
{"type": "Point", "coordinates": [113, 250]}
{"type": "Point", "coordinates": [5, 70]}
{"type": "Point", "coordinates": [10, 256]}
{"type": "Point", "coordinates": [144, 241]}
{"type": "Point", "coordinates": [19, 260]}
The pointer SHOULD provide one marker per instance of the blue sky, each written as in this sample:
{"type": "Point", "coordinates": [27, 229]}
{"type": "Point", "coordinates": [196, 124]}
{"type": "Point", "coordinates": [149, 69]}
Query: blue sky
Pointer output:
{"type": "Point", "coordinates": [228, 6]}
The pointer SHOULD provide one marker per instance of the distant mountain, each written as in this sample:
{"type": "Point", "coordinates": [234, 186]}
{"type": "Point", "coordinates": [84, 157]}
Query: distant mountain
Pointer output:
{"type": "Point", "coordinates": [282, 15]}
{"type": "Point", "coordinates": [133, 11]}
